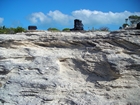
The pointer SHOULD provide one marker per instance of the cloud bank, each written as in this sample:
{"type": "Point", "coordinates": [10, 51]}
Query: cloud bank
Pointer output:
{"type": "Point", "coordinates": [1, 20]}
{"type": "Point", "coordinates": [88, 17]}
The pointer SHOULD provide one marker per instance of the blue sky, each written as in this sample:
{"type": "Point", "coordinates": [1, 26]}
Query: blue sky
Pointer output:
{"type": "Point", "coordinates": [61, 13]}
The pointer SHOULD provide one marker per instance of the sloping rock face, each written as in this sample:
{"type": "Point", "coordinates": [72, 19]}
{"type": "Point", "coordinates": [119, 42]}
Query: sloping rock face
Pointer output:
{"type": "Point", "coordinates": [138, 25]}
{"type": "Point", "coordinates": [73, 68]}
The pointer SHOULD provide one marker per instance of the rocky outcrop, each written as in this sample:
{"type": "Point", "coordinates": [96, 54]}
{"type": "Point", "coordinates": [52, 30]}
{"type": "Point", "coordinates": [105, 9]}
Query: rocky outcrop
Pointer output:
{"type": "Point", "coordinates": [70, 68]}
{"type": "Point", "coordinates": [138, 25]}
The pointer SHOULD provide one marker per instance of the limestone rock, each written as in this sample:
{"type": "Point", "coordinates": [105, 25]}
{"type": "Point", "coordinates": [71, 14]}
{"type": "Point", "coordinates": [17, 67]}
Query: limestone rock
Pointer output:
{"type": "Point", "coordinates": [70, 68]}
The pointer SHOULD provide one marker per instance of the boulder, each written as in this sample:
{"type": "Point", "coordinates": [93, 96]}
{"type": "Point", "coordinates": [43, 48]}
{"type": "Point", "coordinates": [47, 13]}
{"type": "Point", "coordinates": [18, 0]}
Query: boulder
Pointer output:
{"type": "Point", "coordinates": [78, 25]}
{"type": "Point", "coordinates": [138, 26]}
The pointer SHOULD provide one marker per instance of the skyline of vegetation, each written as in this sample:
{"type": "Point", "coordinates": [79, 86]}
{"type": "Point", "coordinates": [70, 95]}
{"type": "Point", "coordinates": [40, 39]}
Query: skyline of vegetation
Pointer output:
{"type": "Point", "coordinates": [133, 19]}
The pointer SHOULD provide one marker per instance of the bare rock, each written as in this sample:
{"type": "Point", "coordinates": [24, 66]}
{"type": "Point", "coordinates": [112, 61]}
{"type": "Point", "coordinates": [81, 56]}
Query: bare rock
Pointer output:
{"type": "Point", "coordinates": [71, 68]}
{"type": "Point", "coordinates": [138, 25]}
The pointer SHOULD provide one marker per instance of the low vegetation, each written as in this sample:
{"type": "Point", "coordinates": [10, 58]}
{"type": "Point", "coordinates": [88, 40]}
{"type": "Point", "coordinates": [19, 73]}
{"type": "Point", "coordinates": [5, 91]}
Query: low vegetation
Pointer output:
{"type": "Point", "coordinates": [53, 29]}
{"type": "Point", "coordinates": [133, 19]}
{"type": "Point", "coordinates": [99, 29]}
{"type": "Point", "coordinates": [103, 29]}
{"type": "Point", "coordinates": [66, 29]}
{"type": "Point", "coordinates": [5, 30]}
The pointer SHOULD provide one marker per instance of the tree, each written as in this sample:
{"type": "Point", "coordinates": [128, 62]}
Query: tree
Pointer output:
{"type": "Point", "coordinates": [66, 29]}
{"type": "Point", "coordinates": [134, 19]}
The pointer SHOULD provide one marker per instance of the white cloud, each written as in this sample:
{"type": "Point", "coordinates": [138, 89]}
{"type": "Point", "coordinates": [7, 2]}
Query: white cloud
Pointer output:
{"type": "Point", "coordinates": [1, 20]}
{"type": "Point", "coordinates": [89, 18]}
{"type": "Point", "coordinates": [39, 17]}
{"type": "Point", "coordinates": [102, 18]}
{"type": "Point", "coordinates": [60, 17]}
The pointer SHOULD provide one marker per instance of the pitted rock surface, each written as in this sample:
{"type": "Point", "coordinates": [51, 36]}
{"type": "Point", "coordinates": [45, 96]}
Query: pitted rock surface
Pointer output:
{"type": "Point", "coordinates": [70, 68]}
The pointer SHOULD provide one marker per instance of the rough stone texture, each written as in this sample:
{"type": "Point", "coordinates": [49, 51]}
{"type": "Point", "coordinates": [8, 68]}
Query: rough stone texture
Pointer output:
{"type": "Point", "coordinates": [138, 25]}
{"type": "Point", "coordinates": [70, 68]}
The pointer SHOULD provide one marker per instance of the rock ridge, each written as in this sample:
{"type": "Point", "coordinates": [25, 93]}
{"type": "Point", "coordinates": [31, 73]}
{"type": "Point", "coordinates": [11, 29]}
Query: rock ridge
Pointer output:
{"type": "Point", "coordinates": [70, 68]}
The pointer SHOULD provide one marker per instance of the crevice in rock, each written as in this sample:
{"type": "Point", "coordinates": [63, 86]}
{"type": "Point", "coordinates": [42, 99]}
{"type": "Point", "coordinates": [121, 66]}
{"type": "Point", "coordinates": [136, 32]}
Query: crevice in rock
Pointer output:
{"type": "Point", "coordinates": [48, 99]}
{"type": "Point", "coordinates": [28, 93]}
{"type": "Point", "coordinates": [2, 101]}
{"type": "Point", "coordinates": [101, 72]}
{"type": "Point", "coordinates": [9, 43]}
{"type": "Point", "coordinates": [29, 58]}
{"type": "Point", "coordinates": [66, 44]}
{"type": "Point", "coordinates": [66, 102]}
{"type": "Point", "coordinates": [133, 66]}
{"type": "Point", "coordinates": [125, 44]}
{"type": "Point", "coordinates": [3, 70]}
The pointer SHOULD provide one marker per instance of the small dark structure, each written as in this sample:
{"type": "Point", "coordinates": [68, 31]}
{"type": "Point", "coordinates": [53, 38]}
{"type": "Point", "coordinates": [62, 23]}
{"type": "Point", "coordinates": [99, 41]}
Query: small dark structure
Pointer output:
{"type": "Point", "coordinates": [138, 26]}
{"type": "Point", "coordinates": [78, 26]}
{"type": "Point", "coordinates": [32, 27]}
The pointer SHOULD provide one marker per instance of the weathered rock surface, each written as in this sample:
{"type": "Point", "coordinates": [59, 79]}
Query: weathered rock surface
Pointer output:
{"type": "Point", "coordinates": [92, 68]}
{"type": "Point", "coordinates": [138, 25]}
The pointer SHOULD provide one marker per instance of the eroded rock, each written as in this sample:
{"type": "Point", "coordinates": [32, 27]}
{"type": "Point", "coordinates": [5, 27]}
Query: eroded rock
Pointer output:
{"type": "Point", "coordinates": [70, 68]}
{"type": "Point", "coordinates": [138, 25]}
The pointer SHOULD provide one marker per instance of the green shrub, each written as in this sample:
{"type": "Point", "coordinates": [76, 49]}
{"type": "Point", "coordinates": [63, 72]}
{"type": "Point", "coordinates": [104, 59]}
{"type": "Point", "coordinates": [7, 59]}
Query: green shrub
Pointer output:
{"type": "Point", "coordinates": [66, 29]}
{"type": "Point", "coordinates": [4, 30]}
{"type": "Point", "coordinates": [19, 29]}
{"type": "Point", "coordinates": [53, 29]}
{"type": "Point", "coordinates": [124, 25]}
